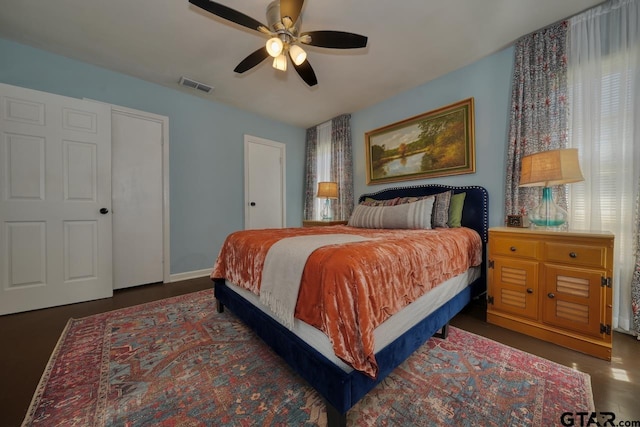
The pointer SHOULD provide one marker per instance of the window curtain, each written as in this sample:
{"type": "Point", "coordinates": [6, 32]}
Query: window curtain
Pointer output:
{"type": "Point", "coordinates": [311, 182]}
{"type": "Point", "coordinates": [538, 115]}
{"type": "Point", "coordinates": [329, 158]}
{"type": "Point", "coordinates": [342, 165]}
{"type": "Point", "coordinates": [604, 95]}
{"type": "Point", "coordinates": [635, 282]}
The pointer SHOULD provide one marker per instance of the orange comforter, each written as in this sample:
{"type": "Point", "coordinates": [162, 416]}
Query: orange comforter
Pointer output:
{"type": "Point", "coordinates": [348, 290]}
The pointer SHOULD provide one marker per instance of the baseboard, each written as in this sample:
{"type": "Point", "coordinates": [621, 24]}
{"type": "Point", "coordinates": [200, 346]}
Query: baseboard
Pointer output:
{"type": "Point", "coordinates": [189, 275]}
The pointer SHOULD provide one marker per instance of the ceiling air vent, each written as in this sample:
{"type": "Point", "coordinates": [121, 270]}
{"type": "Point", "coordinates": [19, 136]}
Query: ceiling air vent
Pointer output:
{"type": "Point", "coordinates": [185, 81]}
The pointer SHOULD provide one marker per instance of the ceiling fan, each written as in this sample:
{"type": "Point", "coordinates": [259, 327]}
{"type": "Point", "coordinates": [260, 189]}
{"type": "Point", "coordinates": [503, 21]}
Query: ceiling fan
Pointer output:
{"type": "Point", "coordinates": [283, 30]}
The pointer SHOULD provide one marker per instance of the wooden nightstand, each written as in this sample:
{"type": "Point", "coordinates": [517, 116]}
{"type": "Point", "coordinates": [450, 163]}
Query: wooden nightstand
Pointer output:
{"type": "Point", "coordinates": [314, 223]}
{"type": "Point", "coordinates": [553, 285]}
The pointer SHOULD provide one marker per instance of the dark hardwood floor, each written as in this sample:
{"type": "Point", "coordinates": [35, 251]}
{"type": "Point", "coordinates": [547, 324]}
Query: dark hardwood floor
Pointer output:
{"type": "Point", "coordinates": [27, 340]}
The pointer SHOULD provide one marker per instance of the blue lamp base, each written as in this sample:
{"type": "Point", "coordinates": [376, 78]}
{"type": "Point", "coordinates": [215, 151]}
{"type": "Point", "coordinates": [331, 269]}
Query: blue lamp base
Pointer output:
{"type": "Point", "coordinates": [548, 215]}
{"type": "Point", "coordinates": [326, 210]}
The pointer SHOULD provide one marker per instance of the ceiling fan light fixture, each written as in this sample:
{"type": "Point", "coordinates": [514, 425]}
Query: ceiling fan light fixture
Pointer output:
{"type": "Point", "coordinates": [280, 62]}
{"type": "Point", "coordinates": [283, 30]}
{"type": "Point", "coordinates": [274, 46]}
{"type": "Point", "coordinates": [298, 55]}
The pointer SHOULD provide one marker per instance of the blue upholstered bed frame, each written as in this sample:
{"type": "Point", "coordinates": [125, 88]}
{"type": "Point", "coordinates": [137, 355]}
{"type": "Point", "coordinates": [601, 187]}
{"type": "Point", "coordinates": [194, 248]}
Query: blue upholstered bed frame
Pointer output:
{"type": "Point", "coordinates": [341, 390]}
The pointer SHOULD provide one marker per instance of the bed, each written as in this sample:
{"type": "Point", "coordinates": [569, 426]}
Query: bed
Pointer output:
{"type": "Point", "coordinates": [342, 381]}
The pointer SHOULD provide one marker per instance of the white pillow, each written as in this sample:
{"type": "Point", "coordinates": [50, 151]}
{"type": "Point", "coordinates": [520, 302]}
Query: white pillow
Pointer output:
{"type": "Point", "coordinates": [407, 215]}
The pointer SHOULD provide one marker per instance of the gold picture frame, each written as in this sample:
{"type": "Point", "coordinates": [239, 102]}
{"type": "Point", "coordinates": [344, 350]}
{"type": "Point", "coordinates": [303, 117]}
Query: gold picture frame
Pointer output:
{"type": "Point", "coordinates": [433, 144]}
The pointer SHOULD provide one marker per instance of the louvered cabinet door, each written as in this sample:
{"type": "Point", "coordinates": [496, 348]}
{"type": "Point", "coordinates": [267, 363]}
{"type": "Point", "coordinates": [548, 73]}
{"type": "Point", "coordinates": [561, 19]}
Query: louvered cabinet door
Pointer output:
{"type": "Point", "coordinates": [573, 299]}
{"type": "Point", "coordinates": [514, 287]}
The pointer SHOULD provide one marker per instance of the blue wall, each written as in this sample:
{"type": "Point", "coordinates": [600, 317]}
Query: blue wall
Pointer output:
{"type": "Point", "coordinates": [488, 81]}
{"type": "Point", "coordinates": [206, 146]}
{"type": "Point", "coordinates": [206, 139]}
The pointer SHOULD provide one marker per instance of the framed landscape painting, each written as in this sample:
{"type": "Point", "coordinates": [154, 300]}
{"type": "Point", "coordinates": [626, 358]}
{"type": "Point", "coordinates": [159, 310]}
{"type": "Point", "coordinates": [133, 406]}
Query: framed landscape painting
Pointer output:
{"type": "Point", "coordinates": [433, 144]}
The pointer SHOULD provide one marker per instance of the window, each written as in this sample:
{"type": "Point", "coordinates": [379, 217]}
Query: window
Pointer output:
{"type": "Point", "coordinates": [602, 116]}
{"type": "Point", "coordinates": [603, 148]}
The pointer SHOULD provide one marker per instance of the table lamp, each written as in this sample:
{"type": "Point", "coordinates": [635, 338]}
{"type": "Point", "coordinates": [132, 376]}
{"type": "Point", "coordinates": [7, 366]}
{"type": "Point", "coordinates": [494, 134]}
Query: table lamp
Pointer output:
{"type": "Point", "coordinates": [546, 169]}
{"type": "Point", "coordinates": [328, 190]}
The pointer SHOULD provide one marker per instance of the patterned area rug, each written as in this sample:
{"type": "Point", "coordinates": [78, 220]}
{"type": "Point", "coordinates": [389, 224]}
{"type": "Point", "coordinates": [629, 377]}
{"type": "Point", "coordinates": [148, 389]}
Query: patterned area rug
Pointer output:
{"type": "Point", "coordinates": [177, 362]}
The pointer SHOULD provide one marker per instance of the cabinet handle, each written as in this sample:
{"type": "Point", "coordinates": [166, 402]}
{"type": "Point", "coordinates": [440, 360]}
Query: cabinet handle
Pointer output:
{"type": "Point", "coordinates": [573, 255]}
{"type": "Point", "coordinates": [551, 295]}
{"type": "Point", "coordinates": [529, 290]}
{"type": "Point", "coordinates": [512, 248]}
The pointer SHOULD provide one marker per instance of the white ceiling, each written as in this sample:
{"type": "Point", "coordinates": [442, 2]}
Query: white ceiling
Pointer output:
{"type": "Point", "coordinates": [410, 43]}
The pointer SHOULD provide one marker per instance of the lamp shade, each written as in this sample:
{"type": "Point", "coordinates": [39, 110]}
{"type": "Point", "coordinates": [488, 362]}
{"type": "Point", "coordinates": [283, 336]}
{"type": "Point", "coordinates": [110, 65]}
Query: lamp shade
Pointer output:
{"type": "Point", "coordinates": [280, 62]}
{"type": "Point", "coordinates": [274, 46]}
{"type": "Point", "coordinates": [553, 167]}
{"type": "Point", "coordinates": [298, 55]}
{"type": "Point", "coordinates": [328, 190]}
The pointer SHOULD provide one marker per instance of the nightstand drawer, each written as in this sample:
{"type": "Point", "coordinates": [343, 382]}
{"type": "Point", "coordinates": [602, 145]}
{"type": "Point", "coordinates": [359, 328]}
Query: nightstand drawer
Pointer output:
{"type": "Point", "coordinates": [514, 247]}
{"type": "Point", "coordinates": [572, 254]}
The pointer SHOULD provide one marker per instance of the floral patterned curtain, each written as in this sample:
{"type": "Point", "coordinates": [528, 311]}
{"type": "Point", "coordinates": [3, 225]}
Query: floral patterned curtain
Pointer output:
{"type": "Point", "coordinates": [341, 168]}
{"type": "Point", "coordinates": [342, 165]}
{"type": "Point", "coordinates": [635, 281]}
{"type": "Point", "coordinates": [538, 120]}
{"type": "Point", "coordinates": [310, 173]}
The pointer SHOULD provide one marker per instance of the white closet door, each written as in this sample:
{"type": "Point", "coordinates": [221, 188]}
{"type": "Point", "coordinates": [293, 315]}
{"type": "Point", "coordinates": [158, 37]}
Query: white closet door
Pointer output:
{"type": "Point", "coordinates": [137, 193]}
{"type": "Point", "coordinates": [55, 179]}
{"type": "Point", "coordinates": [265, 204]}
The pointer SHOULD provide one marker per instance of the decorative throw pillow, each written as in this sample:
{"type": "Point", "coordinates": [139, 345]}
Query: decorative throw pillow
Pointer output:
{"type": "Point", "coordinates": [373, 202]}
{"type": "Point", "coordinates": [455, 209]}
{"type": "Point", "coordinates": [440, 215]}
{"type": "Point", "coordinates": [411, 199]}
{"type": "Point", "coordinates": [407, 215]}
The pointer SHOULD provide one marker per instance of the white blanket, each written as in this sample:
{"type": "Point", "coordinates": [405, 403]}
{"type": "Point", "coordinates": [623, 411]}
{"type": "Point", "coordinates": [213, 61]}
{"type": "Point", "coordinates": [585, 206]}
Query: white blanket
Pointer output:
{"type": "Point", "coordinates": [283, 267]}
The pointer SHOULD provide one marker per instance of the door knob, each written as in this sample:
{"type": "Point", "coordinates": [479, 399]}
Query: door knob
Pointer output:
{"type": "Point", "coordinates": [104, 211]}
{"type": "Point", "coordinates": [252, 203]}
{"type": "Point", "coordinates": [529, 290]}
{"type": "Point", "coordinates": [551, 295]}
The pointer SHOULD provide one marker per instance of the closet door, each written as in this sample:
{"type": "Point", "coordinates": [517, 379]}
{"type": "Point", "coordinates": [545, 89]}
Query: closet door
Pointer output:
{"type": "Point", "coordinates": [55, 200]}
{"type": "Point", "coordinates": [264, 163]}
{"type": "Point", "coordinates": [138, 197]}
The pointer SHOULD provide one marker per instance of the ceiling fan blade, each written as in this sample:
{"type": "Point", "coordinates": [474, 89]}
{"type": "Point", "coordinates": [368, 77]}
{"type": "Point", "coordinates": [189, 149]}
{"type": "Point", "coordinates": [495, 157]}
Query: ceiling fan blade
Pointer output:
{"type": "Point", "coordinates": [306, 72]}
{"type": "Point", "coordinates": [291, 8]}
{"type": "Point", "coordinates": [228, 14]}
{"type": "Point", "coordinates": [252, 60]}
{"type": "Point", "coordinates": [334, 39]}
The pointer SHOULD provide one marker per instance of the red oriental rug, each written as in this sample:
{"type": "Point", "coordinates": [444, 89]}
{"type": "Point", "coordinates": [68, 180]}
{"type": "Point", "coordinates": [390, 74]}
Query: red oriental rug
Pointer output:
{"type": "Point", "coordinates": [177, 362]}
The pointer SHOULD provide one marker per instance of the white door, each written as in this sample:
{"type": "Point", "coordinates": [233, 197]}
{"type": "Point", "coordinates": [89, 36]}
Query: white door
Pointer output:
{"type": "Point", "coordinates": [55, 178]}
{"type": "Point", "coordinates": [137, 196]}
{"type": "Point", "coordinates": [264, 170]}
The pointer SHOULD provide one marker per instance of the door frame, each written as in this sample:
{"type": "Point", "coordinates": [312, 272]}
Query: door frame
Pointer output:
{"type": "Point", "coordinates": [250, 139]}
